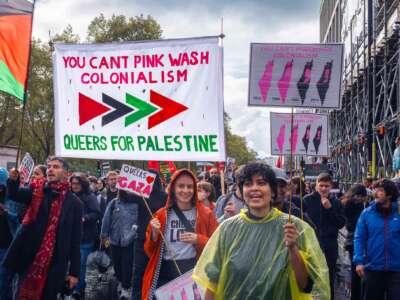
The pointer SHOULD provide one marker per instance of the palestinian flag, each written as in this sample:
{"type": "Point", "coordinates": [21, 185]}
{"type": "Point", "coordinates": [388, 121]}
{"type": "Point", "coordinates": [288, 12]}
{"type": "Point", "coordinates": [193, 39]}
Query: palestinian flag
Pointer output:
{"type": "Point", "coordinates": [15, 41]}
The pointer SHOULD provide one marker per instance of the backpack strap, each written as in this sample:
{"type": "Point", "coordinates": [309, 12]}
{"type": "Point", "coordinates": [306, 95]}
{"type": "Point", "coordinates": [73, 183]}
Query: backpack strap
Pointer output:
{"type": "Point", "coordinates": [184, 220]}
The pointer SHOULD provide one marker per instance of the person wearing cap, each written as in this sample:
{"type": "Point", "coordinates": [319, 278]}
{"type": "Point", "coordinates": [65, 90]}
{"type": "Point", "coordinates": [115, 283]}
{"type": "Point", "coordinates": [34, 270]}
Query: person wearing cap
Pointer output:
{"type": "Point", "coordinates": [234, 199]}
{"type": "Point", "coordinates": [282, 201]}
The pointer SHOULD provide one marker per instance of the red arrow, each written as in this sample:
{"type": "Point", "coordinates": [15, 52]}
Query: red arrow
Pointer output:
{"type": "Point", "coordinates": [169, 108]}
{"type": "Point", "coordinates": [89, 109]}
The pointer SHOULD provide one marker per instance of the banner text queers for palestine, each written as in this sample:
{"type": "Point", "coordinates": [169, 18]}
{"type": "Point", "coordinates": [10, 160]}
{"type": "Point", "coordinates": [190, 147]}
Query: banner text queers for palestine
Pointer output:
{"type": "Point", "coordinates": [168, 143]}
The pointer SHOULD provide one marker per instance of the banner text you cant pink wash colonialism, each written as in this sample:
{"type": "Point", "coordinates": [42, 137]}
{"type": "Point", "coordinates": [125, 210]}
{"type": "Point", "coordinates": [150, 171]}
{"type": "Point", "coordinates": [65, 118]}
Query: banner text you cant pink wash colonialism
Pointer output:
{"type": "Point", "coordinates": [161, 68]}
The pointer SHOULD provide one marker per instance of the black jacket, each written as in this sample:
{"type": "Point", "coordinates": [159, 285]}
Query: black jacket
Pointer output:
{"type": "Point", "coordinates": [91, 216]}
{"type": "Point", "coordinates": [352, 211]}
{"type": "Point", "coordinates": [110, 195]}
{"type": "Point", "coordinates": [28, 239]}
{"type": "Point", "coordinates": [5, 233]}
{"type": "Point", "coordinates": [327, 221]}
{"type": "Point", "coordinates": [297, 212]}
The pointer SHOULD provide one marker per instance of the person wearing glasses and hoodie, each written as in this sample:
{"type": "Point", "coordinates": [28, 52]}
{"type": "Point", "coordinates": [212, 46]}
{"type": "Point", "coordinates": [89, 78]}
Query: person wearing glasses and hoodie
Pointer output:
{"type": "Point", "coordinates": [80, 186]}
{"type": "Point", "coordinates": [186, 225]}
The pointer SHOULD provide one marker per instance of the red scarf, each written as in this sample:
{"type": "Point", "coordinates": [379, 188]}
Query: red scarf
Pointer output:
{"type": "Point", "coordinates": [34, 282]}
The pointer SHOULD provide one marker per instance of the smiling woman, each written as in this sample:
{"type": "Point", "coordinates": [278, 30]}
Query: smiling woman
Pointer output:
{"type": "Point", "coordinates": [177, 234]}
{"type": "Point", "coordinates": [259, 254]}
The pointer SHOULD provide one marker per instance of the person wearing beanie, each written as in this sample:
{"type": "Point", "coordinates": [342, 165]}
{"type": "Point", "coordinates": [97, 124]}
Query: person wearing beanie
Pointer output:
{"type": "Point", "coordinates": [5, 239]}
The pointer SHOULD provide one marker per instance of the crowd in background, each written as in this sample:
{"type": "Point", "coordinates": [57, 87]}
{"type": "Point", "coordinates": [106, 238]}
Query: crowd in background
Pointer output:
{"type": "Point", "coordinates": [51, 223]}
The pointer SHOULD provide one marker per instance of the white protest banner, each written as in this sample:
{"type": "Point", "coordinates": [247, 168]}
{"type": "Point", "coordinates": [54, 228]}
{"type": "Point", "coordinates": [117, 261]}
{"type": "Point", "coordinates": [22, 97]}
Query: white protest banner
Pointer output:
{"type": "Point", "coordinates": [153, 100]}
{"type": "Point", "coordinates": [181, 288]}
{"type": "Point", "coordinates": [310, 134]}
{"type": "Point", "coordinates": [26, 167]}
{"type": "Point", "coordinates": [295, 75]}
{"type": "Point", "coordinates": [135, 180]}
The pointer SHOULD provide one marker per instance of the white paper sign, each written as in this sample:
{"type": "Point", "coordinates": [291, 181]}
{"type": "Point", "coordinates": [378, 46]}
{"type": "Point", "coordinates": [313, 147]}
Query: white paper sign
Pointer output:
{"type": "Point", "coordinates": [310, 134]}
{"type": "Point", "coordinates": [154, 100]}
{"type": "Point", "coordinates": [135, 180]}
{"type": "Point", "coordinates": [181, 288]}
{"type": "Point", "coordinates": [299, 75]}
{"type": "Point", "coordinates": [26, 166]}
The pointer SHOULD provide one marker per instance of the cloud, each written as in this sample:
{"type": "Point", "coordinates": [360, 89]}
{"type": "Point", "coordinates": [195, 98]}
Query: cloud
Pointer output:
{"type": "Point", "coordinates": [244, 22]}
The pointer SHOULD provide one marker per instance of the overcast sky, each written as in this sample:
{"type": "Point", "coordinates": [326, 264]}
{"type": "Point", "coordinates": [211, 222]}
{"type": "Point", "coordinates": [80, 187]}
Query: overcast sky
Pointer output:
{"type": "Point", "coordinates": [245, 21]}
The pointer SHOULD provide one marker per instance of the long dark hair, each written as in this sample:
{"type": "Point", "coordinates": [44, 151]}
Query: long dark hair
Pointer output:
{"type": "Point", "coordinates": [356, 194]}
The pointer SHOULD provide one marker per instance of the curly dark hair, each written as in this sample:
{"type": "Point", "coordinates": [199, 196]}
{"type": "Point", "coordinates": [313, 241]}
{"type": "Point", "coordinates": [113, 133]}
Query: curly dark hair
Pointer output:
{"type": "Point", "coordinates": [389, 187]}
{"type": "Point", "coordinates": [257, 168]}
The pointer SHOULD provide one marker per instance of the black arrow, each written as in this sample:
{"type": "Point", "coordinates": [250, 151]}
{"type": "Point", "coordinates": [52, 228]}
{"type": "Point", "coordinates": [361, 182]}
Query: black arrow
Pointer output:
{"type": "Point", "coordinates": [120, 110]}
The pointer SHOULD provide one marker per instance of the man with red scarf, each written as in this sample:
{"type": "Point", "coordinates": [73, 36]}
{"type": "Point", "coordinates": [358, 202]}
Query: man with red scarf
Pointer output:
{"type": "Point", "coordinates": [45, 252]}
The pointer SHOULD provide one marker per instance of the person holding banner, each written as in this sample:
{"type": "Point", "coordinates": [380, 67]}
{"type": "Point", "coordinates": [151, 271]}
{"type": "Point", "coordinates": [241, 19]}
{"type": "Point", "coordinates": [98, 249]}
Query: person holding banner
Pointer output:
{"type": "Point", "coordinates": [157, 200]}
{"type": "Point", "coordinates": [177, 234]}
{"type": "Point", "coordinates": [262, 253]}
{"type": "Point", "coordinates": [45, 251]}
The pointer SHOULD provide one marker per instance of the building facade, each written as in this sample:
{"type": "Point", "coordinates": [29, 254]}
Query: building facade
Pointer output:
{"type": "Point", "coordinates": [363, 131]}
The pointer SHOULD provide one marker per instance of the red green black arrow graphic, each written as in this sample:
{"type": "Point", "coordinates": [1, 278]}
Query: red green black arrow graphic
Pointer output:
{"type": "Point", "coordinates": [120, 110]}
{"type": "Point", "coordinates": [165, 109]}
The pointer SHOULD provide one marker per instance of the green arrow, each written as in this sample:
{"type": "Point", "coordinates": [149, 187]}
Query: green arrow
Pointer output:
{"type": "Point", "coordinates": [143, 109]}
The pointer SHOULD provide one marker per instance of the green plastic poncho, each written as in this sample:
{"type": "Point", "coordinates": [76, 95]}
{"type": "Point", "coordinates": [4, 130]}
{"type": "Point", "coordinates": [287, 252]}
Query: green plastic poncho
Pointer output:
{"type": "Point", "coordinates": [248, 259]}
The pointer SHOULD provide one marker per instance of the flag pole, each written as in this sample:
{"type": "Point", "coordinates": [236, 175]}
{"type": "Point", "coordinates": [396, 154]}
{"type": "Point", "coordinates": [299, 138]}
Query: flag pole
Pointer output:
{"type": "Point", "coordinates": [291, 165]}
{"type": "Point", "coordinates": [25, 91]}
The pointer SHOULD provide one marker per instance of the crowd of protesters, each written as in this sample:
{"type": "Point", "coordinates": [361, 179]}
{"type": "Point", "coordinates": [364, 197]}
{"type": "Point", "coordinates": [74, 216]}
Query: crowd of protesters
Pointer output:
{"type": "Point", "coordinates": [262, 237]}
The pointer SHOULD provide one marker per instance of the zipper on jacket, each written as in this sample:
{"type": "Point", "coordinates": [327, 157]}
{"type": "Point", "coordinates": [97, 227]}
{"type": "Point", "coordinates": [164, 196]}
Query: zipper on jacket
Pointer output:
{"type": "Point", "coordinates": [385, 244]}
{"type": "Point", "coordinates": [156, 276]}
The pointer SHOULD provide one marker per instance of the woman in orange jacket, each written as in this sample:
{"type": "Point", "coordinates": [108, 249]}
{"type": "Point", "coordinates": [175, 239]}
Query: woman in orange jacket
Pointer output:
{"type": "Point", "coordinates": [186, 225]}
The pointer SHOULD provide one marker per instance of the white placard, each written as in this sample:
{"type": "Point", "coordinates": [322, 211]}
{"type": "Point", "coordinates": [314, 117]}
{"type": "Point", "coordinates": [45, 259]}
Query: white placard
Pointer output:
{"type": "Point", "coordinates": [26, 167]}
{"type": "Point", "coordinates": [295, 75]}
{"type": "Point", "coordinates": [154, 100]}
{"type": "Point", "coordinates": [310, 134]}
{"type": "Point", "coordinates": [181, 288]}
{"type": "Point", "coordinates": [135, 180]}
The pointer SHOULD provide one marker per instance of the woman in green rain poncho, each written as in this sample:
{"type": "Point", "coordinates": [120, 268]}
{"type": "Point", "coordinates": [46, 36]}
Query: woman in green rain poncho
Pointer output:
{"type": "Point", "coordinates": [260, 253]}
